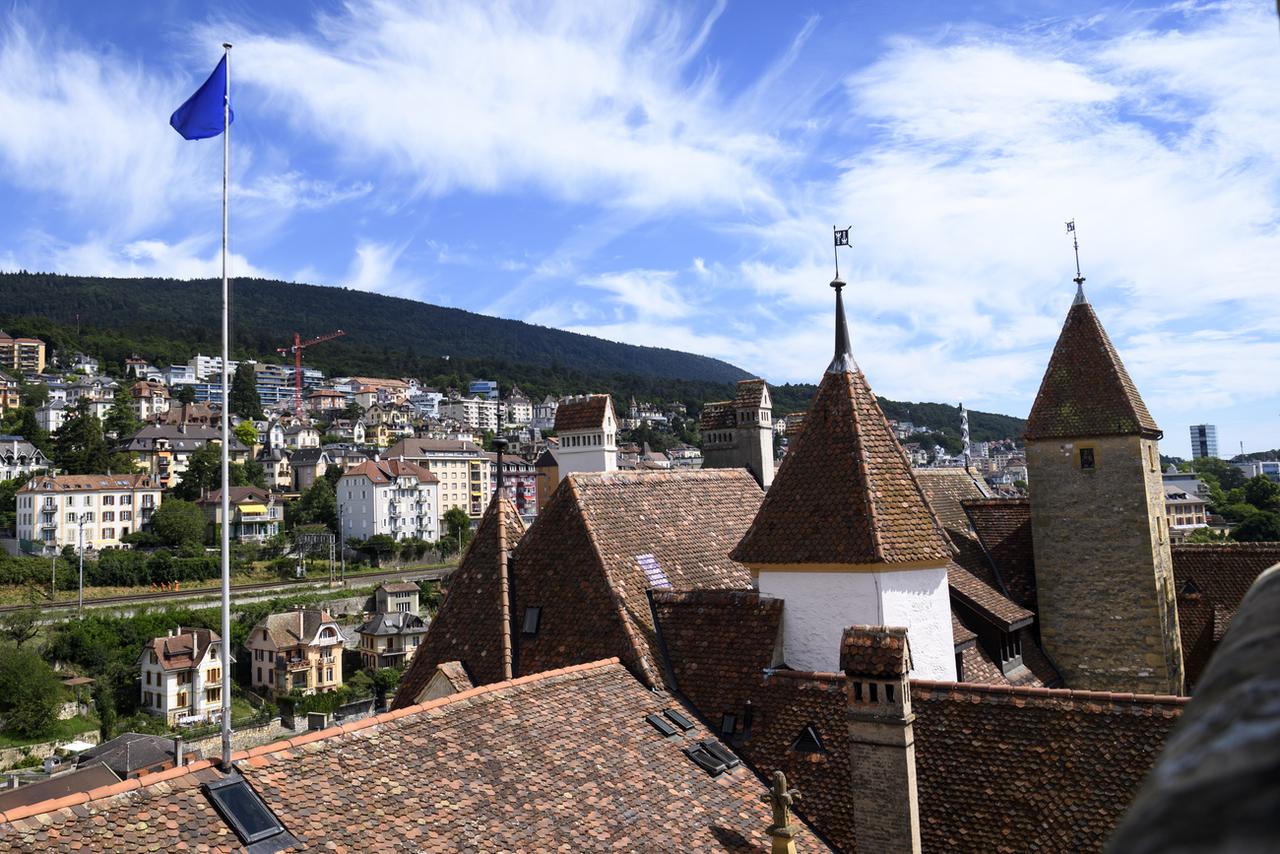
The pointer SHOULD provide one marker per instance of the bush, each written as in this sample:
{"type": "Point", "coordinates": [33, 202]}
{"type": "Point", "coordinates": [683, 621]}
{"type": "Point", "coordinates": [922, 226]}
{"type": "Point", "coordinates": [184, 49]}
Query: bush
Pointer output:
{"type": "Point", "coordinates": [30, 693]}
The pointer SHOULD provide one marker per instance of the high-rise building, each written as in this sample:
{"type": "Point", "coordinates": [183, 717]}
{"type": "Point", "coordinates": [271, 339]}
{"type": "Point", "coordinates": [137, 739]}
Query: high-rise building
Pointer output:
{"type": "Point", "coordinates": [1204, 440]}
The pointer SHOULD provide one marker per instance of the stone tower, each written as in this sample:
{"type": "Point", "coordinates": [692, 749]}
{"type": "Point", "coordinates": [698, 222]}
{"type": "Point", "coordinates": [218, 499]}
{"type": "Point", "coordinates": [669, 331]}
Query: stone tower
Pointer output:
{"type": "Point", "coordinates": [845, 534]}
{"type": "Point", "coordinates": [1104, 574]}
{"type": "Point", "coordinates": [738, 433]}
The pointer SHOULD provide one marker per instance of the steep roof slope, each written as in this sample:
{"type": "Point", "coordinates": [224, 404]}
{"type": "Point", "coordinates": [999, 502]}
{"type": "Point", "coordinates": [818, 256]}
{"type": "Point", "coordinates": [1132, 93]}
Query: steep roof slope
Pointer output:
{"type": "Point", "coordinates": [844, 493]}
{"type": "Point", "coordinates": [946, 488]}
{"type": "Point", "coordinates": [564, 759]}
{"type": "Point", "coordinates": [1086, 390]}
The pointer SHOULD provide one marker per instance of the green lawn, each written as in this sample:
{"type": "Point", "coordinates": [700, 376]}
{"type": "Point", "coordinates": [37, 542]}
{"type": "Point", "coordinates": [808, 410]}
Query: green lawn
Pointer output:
{"type": "Point", "coordinates": [61, 730]}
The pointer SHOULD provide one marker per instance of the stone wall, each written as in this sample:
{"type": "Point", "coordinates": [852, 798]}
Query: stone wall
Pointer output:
{"type": "Point", "coordinates": [242, 738]}
{"type": "Point", "coordinates": [1104, 576]}
{"type": "Point", "coordinates": [12, 755]}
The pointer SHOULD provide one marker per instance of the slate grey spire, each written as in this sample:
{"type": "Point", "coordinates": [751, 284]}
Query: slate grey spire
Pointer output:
{"type": "Point", "coordinates": [843, 359]}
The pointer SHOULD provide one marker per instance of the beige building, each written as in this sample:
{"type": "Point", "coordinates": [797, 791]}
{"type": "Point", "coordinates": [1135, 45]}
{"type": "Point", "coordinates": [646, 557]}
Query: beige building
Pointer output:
{"type": "Point", "coordinates": [24, 355]}
{"type": "Point", "coordinates": [463, 469]}
{"type": "Point", "coordinates": [1184, 510]}
{"type": "Point", "coordinates": [50, 508]}
{"type": "Point", "coordinates": [738, 433]}
{"type": "Point", "coordinates": [298, 650]}
{"type": "Point", "coordinates": [181, 677]}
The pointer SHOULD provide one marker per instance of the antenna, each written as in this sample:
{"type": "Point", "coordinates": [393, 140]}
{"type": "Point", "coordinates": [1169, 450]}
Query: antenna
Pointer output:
{"type": "Point", "coordinates": [1079, 279]}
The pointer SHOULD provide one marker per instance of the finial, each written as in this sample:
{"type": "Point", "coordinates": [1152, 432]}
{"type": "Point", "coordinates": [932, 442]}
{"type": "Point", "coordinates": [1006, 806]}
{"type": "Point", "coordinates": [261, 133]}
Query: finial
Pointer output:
{"type": "Point", "coordinates": [843, 359]}
{"type": "Point", "coordinates": [1079, 279]}
{"type": "Point", "coordinates": [782, 799]}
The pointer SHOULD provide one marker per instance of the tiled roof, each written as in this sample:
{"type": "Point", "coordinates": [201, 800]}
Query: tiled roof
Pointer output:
{"type": "Point", "coordinates": [417, 448]}
{"type": "Point", "coordinates": [844, 493]}
{"type": "Point", "coordinates": [456, 675]}
{"type": "Point", "coordinates": [878, 652]}
{"type": "Point", "coordinates": [561, 760]}
{"type": "Point", "coordinates": [1086, 391]}
{"type": "Point", "coordinates": [290, 628]}
{"type": "Point", "coordinates": [384, 471]}
{"type": "Point", "coordinates": [946, 488]}
{"type": "Point", "coordinates": [78, 482]}
{"type": "Point", "coordinates": [986, 600]}
{"type": "Point", "coordinates": [1003, 527]}
{"type": "Point", "coordinates": [400, 587]}
{"type": "Point", "coordinates": [750, 395]}
{"type": "Point", "coordinates": [395, 623]}
{"type": "Point", "coordinates": [586, 413]}
{"type": "Point", "coordinates": [719, 415]}
{"type": "Point", "coordinates": [184, 649]}
{"type": "Point", "coordinates": [960, 633]}
{"type": "Point", "coordinates": [468, 624]}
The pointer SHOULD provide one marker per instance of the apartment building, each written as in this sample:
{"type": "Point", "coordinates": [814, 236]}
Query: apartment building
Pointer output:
{"type": "Point", "coordinates": [464, 470]}
{"type": "Point", "coordinates": [165, 450]}
{"type": "Point", "coordinates": [51, 508]}
{"type": "Point", "coordinates": [393, 497]}
{"type": "Point", "coordinates": [150, 399]}
{"type": "Point", "coordinates": [517, 408]}
{"type": "Point", "coordinates": [181, 677]}
{"type": "Point", "coordinates": [475, 413]}
{"type": "Point", "coordinates": [256, 513]}
{"type": "Point", "coordinates": [23, 355]}
{"type": "Point", "coordinates": [298, 650]}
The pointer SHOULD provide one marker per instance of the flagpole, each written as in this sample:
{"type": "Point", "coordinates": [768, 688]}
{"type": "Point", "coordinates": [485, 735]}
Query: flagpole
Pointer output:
{"type": "Point", "coordinates": [226, 431]}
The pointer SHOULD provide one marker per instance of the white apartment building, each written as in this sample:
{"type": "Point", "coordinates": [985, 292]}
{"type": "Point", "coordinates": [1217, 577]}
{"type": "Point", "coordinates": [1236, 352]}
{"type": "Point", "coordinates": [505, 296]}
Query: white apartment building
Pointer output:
{"type": "Point", "coordinates": [50, 508]}
{"type": "Point", "coordinates": [209, 367]}
{"type": "Point", "coordinates": [544, 413]}
{"type": "Point", "coordinates": [393, 497]}
{"type": "Point", "coordinates": [462, 467]}
{"type": "Point", "coordinates": [517, 409]}
{"type": "Point", "coordinates": [476, 413]}
{"type": "Point", "coordinates": [182, 676]}
{"type": "Point", "coordinates": [588, 431]}
{"type": "Point", "coordinates": [426, 401]}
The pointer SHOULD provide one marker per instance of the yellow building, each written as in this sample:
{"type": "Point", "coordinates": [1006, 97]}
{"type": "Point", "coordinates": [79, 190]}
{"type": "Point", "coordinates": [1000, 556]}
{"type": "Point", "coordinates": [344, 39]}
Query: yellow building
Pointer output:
{"type": "Point", "coordinates": [24, 355]}
{"type": "Point", "coordinates": [298, 650]}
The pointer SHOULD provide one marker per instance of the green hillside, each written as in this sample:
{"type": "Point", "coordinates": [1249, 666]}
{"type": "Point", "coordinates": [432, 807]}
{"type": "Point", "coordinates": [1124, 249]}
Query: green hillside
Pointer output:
{"type": "Point", "coordinates": [168, 321]}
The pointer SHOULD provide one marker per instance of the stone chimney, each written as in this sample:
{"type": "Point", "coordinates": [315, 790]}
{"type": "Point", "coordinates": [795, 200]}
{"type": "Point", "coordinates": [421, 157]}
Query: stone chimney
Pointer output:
{"type": "Point", "coordinates": [882, 754]}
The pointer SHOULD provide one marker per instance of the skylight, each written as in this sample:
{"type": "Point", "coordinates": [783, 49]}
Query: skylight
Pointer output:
{"type": "Point", "coordinates": [658, 723]}
{"type": "Point", "coordinates": [678, 719]}
{"type": "Point", "coordinates": [243, 810]}
{"type": "Point", "coordinates": [808, 741]}
{"type": "Point", "coordinates": [653, 571]}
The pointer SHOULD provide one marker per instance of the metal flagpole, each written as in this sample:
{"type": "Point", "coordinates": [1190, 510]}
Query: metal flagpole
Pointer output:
{"type": "Point", "coordinates": [226, 431]}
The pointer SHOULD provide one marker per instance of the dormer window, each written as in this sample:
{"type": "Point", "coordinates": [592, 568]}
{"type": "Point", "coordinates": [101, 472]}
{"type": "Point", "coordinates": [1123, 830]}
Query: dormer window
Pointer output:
{"type": "Point", "coordinates": [1086, 458]}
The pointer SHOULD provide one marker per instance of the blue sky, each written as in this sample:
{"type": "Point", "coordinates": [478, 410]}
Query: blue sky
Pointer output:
{"type": "Point", "coordinates": [669, 175]}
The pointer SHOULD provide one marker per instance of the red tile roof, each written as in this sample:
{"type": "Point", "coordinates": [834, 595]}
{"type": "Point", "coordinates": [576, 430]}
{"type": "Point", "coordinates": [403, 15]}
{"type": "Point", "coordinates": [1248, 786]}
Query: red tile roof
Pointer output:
{"type": "Point", "coordinates": [750, 395]}
{"type": "Point", "coordinates": [585, 413]}
{"type": "Point", "coordinates": [1086, 391]}
{"type": "Point", "coordinates": [561, 759]}
{"type": "Point", "coordinates": [844, 493]}
{"type": "Point", "coordinates": [184, 649]}
{"type": "Point", "coordinates": [468, 626]}
{"type": "Point", "coordinates": [946, 488]}
{"type": "Point", "coordinates": [1003, 527]}
{"type": "Point", "coordinates": [986, 600]}
{"type": "Point", "coordinates": [878, 652]}
{"type": "Point", "coordinates": [718, 415]}
{"type": "Point", "coordinates": [81, 482]}
{"type": "Point", "coordinates": [385, 471]}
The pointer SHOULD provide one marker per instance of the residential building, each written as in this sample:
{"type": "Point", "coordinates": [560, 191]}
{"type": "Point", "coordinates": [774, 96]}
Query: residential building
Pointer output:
{"type": "Point", "coordinates": [484, 388]}
{"type": "Point", "coordinates": [100, 392]}
{"type": "Point", "coordinates": [130, 756]}
{"type": "Point", "coordinates": [1091, 439]}
{"type": "Point", "coordinates": [739, 432]}
{"type": "Point", "coordinates": [165, 450]}
{"type": "Point", "coordinates": [588, 432]}
{"type": "Point", "coordinates": [20, 458]}
{"type": "Point", "coordinates": [150, 399]}
{"type": "Point", "coordinates": [307, 465]}
{"type": "Point", "coordinates": [52, 415]}
{"type": "Point", "coordinates": [544, 413]}
{"type": "Point", "coordinates": [277, 468]}
{"type": "Point", "coordinates": [391, 636]}
{"type": "Point", "coordinates": [426, 401]}
{"type": "Point", "coordinates": [1184, 510]}
{"type": "Point", "coordinates": [517, 408]}
{"type": "Point", "coordinates": [462, 467]}
{"type": "Point", "coordinates": [181, 677]}
{"type": "Point", "coordinates": [1204, 440]}
{"type": "Point", "coordinates": [176, 375]}
{"type": "Point", "coordinates": [520, 482]}
{"type": "Point", "coordinates": [376, 389]}
{"type": "Point", "coordinates": [51, 508]}
{"type": "Point", "coordinates": [299, 650]}
{"type": "Point", "coordinates": [21, 355]}
{"type": "Point", "coordinates": [326, 400]}
{"type": "Point", "coordinates": [84, 364]}
{"type": "Point", "coordinates": [475, 413]}
{"type": "Point", "coordinates": [1187, 481]}
{"type": "Point", "coordinates": [1270, 469]}
{"type": "Point", "coordinates": [301, 435]}
{"type": "Point", "coordinates": [393, 497]}
{"type": "Point", "coordinates": [256, 513]}
{"type": "Point", "coordinates": [209, 368]}
{"type": "Point", "coordinates": [10, 397]}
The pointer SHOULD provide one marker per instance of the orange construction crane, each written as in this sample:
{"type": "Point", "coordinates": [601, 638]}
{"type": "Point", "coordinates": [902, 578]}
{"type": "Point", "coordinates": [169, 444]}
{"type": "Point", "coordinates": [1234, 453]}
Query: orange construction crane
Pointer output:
{"type": "Point", "coordinates": [296, 350]}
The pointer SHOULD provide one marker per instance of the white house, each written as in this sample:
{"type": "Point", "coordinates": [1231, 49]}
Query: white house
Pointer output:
{"type": "Point", "coordinates": [20, 458]}
{"type": "Point", "coordinates": [475, 412]}
{"type": "Point", "coordinates": [182, 676]}
{"type": "Point", "coordinates": [588, 431]}
{"type": "Point", "coordinates": [50, 508]}
{"type": "Point", "coordinates": [393, 497]}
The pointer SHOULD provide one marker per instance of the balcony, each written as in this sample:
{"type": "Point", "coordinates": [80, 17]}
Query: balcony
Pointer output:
{"type": "Point", "coordinates": [293, 662]}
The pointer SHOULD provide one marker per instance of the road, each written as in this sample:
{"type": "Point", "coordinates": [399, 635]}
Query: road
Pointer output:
{"type": "Point", "coordinates": [306, 586]}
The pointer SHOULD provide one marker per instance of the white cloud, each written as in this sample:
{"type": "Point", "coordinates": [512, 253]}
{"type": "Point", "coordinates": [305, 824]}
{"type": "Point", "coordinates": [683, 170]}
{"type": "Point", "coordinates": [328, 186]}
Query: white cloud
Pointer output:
{"type": "Point", "coordinates": [584, 102]}
{"type": "Point", "coordinates": [374, 268]}
{"type": "Point", "coordinates": [194, 258]}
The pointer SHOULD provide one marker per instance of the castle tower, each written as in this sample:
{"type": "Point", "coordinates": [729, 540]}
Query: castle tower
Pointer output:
{"type": "Point", "coordinates": [1104, 574]}
{"type": "Point", "coordinates": [738, 433]}
{"type": "Point", "coordinates": [845, 535]}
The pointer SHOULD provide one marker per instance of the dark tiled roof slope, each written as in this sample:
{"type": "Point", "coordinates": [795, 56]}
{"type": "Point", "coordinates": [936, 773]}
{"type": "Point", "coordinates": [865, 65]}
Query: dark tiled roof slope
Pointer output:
{"type": "Point", "coordinates": [875, 651]}
{"type": "Point", "coordinates": [1003, 527]}
{"type": "Point", "coordinates": [985, 599]}
{"type": "Point", "coordinates": [719, 415]}
{"type": "Point", "coordinates": [561, 760]}
{"type": "Point", "coordinates": [1086, 391]}
{"type": "Point", "coordinates": [585, 414]}
{"type": "Point", "coordinates": [468, 624]}
{"type": "Point", "coordinates": [750, 394]}
{"type": "Point", "coordinates": [844, 493]}
{"type": "Point", "coordinates": [1025, 769]}
{"type": "Point", "coordinates": [945, 489]}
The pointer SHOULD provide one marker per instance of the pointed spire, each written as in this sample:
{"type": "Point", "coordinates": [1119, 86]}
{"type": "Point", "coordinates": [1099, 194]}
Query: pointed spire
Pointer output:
{"type": "Point", "coordinates": [1080, 297]}
{"type": "Point", "coordinates": [1079, 279]}
{"type": "Point", "coordinates": [843, 361]}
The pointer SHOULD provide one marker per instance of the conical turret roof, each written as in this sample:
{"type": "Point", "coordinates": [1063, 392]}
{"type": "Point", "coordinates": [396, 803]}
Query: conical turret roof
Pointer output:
{"type": "Point", "coordinates": [1086, 390]}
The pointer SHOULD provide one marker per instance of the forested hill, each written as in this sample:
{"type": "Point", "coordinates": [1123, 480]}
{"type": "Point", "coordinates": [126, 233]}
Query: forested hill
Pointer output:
{"type": "Point", "coordinates": [167, 321]}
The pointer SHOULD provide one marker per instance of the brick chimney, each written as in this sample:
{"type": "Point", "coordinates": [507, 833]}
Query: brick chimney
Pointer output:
{"type": "Point", "coordinates": [886, 811]}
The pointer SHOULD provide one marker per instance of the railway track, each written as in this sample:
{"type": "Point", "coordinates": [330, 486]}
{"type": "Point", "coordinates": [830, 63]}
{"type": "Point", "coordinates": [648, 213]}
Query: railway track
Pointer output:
{"type": "Point", "coordinates": [431, 574]}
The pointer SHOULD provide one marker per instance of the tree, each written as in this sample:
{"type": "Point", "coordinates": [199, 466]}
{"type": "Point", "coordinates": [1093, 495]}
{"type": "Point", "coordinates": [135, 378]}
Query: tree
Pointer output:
{"type": "Point", "coordinates": [186, 394]}
{"type": "Point", "coordinates": [245, 401]}
{"type": "Point", "coordinates": [318, 506]}
{"type": "Point", "coordinates": [104, 703]}
{"type": "Point", "coordinates": [458, 524]}
{"type": "Point", "coordinates": [178, 523]}
{"type": "Point", "coordinates": [29, 428]}
{"type": "Point", "coordinates": [1261, 527]}
{"type": "Point", "coordinates": [1262, 493]}
{"type": "Point", "coordinates": [246, 433]}
{"type": "Point", "coordinates": [22, 625]}
{"type": "Point", "coordinates": [30, 693]}
{"type": "Point", "coordinates": [78, 446]}
{"type": "Point", "coordinates": [354, 411]}
{"type": "Point", "coordinates": [121, 420]}
{"type": "Point", "coordinates": [204, 472]}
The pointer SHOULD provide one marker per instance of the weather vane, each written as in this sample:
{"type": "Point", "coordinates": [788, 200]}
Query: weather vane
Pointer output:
{"type": "Point", "coordinates": [1075, 243]}
{"type": "Point", "coordinates": [841, 239]}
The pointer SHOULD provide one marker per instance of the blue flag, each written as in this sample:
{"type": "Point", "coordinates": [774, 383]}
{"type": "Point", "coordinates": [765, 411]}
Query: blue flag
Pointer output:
{"type": "Point", "coordinates": [200, 117]}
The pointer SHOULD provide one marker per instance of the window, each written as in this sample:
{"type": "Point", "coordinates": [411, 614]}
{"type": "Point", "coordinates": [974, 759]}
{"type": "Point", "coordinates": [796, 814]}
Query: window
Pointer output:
{"type": "Point", "coordinates": [242, 809]}
{"type": "Point", "coordinates": [532, 616]}
{"type": "Point", "coordinates": [108, 500]}
{"type": "Point", "coordinates": [678, 719]}
{"type": "Point", "coordinates": [215, 674]}
{"type": "Point", "coordinates": [108, 533]}
{"type": "Point", "coordinates": [728, 724]}
{"type": "Point", "coordinates": [661, 725]}
{"type": "Point", "coordinates": [126, 515]}
{"type": "Point", "coordinates": [108, 516]}
{"type": "Point", "coordinates": [1086, 458]}
{"type": "Point", "coordinates": [126, 500]}
{"type": "Point", "coordinates": [808, 741]}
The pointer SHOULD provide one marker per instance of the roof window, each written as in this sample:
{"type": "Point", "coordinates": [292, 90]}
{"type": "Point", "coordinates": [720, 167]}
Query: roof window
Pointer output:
{"type": "Point", "coordinates": [653, 571]}
{"type": "Point", "coordinates": [532, 617]}
{"type": "Point", "coordinates": [678, 719]}
{"type": "Point", "coordinates": [809, 742]}
{"type": "Point", "coordinates": [1086, 458]}
{"type": "Point", "coordinates": [712, 757]}
{"type": "Point", "coordinates": [244, 811]}
{"type": "Point", "coordinates": [661, 725]}
{"type": "Point", "coordinates": [728, 724]}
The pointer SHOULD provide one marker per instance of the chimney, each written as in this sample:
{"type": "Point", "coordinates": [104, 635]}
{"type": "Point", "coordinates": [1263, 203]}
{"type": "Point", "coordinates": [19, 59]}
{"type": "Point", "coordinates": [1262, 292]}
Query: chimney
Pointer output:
{"type": "Point", "coordinates": [178, 758]}
{"type": "Point", "coordinates": [886, 811]}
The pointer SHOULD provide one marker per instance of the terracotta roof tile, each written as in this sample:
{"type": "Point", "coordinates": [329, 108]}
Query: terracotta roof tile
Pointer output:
{"type": "Point", "coordinates": [585, 413]}
{"type": "Point", "coordinates": [719, 415]}
{"type": "Point", "coordinates": [1086, 390]}
{"type": "Point", "coordinates": [563, 759]}
{"type": "Point", "coordinates": [879, 652]}
{"type": "Point", "coordinates": [751, 394]}
{"type": "Point", "coordinates": [986, 600]}
{"type": "Point", "coordinates": [946, 488]}
{"type": "Point", "coordinates": [960, 633]}
{"type": "Point", "coordinates": [1003, 527]}
{"type": "Point", "coordinates": [844, 493]}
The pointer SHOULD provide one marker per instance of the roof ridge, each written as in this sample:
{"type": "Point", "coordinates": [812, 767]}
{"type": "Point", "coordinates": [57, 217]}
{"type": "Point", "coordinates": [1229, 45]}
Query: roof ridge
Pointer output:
{"type": "Point", "coordinates": [877, 546]}
{"type": "Point", "coordinates": [1074, 694]}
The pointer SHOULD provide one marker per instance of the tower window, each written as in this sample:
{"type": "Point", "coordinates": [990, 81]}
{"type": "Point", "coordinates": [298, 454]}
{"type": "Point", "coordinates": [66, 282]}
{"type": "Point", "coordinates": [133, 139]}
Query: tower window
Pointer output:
{"type": "Point", "coordinates": [1086, 458]}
